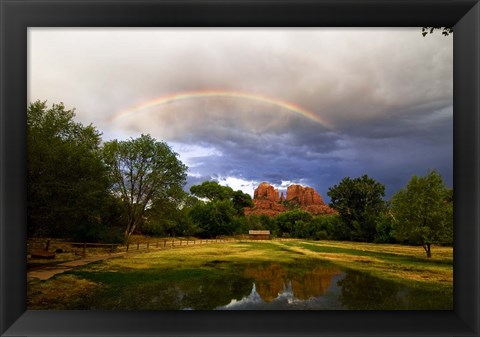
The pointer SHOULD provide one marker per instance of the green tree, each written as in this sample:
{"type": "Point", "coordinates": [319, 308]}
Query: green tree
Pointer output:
{"type": "Point", "coordinates": [67, 182]}
{"type": "Point", "coordinates": [262, 221]}
{"type": "Point", "coordinates": [240, 201]}
{"type": "Point", "coordinates": [325, 227]}
{"type": "Point", "coordinates": [143, 170]}
{"type": "Point", "coordinates": [293, 223]}
{"type": "Point", "coordinates": [384, 228]}
{"type": "Point", "coordinates": [213, 191]}
{"type": "Point", "coordinates": [214, 218]}
{"type": "Point", "coordinates": [170, 215]}
{"type": "Point", "coordinates": [423, 212]}
{"type": "Point", "coordinates": [358, 202]}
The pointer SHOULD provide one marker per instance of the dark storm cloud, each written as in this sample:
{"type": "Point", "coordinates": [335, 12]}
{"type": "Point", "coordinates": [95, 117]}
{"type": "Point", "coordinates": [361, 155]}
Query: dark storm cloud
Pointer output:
{"type": "Point", "coordinates": [382, 97]}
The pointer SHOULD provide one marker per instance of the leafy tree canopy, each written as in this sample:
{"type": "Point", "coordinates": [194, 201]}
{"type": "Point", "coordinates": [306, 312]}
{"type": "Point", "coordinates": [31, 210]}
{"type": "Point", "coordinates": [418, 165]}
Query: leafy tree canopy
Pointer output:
{"type": "Point", "coordinates": [423, 212]}
{"type": "Point", "coordinates": [170, 215]}
{"type": "Point", "coordinates": [143, 170]}
{"type": "Point", "coordinates": [67, 182]}
{"type": "Point", "coordinates": [212, 190]}
{"type": "Point", "coordinates": [214, 218]}
{"type": "Point", "coordinates": [358, 202]}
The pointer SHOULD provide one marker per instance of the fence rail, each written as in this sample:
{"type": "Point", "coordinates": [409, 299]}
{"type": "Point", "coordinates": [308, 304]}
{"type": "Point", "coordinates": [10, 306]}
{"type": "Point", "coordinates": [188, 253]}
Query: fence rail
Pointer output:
{"type": "Point", "coordinates": [55, 245]}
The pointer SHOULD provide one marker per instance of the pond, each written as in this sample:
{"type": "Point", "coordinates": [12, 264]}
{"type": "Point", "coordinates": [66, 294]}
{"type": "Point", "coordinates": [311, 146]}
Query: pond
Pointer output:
{"type": "Point", "coordinates": [267, 286]}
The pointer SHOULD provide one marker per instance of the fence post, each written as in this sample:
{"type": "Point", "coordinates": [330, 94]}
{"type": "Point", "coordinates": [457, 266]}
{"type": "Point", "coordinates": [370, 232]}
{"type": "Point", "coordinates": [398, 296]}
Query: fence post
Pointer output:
{"type": "Point", "coordinates": [187, 242]}
{"type": "Point", "coordinates": [127, 246]}
{"type": "Point", "coordinates": [84, 248]}
{"type": "Point", "coordinates": [138, 245]}
{"type": "Point", "coordinates": [180, 242]}
{"type": "Point", "coordinates": [148, 244]}
{"type": "Point", "coordinates": [111, 248]}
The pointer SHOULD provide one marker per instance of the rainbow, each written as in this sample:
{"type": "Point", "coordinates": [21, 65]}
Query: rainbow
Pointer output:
{"type": "Point", "coordinates": [221, 94]}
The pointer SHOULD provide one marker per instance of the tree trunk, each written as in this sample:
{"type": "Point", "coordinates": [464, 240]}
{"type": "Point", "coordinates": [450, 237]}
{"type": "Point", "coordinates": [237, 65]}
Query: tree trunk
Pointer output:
{"type": "Point", "coordinates": [127, 236]}
{"type": "Point", "coordinates": [129, 230]}
{"type": "Point", "coordinates": [426, 246]}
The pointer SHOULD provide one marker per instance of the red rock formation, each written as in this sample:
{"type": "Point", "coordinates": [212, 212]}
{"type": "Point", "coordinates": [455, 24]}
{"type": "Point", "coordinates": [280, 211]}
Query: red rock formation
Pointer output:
{"type": "Point", "coordinates": [266, 200]}
{"type": "Point", "coordinates": [303, 196]}
{"type": "Point", "coordinates": [265, 191]}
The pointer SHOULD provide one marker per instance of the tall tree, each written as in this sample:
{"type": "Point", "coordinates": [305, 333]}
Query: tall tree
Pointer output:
{"type": "Point", "coordinates": [423, 212]}
{"type": "Point", "coordinates": [214, 218]}
{"type": "Point", "coordinates": [143, 170]}
{"type": "Point", "coordinates": [213, 191]}
{"type": "Point", "coordinates": [170, 215]}
{"type": "Point", "coordinates": [67, 183]}
{"type": "Point", "coordinates": [358, 202]}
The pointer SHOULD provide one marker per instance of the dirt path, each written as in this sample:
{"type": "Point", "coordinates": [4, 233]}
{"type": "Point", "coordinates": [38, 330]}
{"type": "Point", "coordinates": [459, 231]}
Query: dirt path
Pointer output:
{"type": "Point", "coordinates": [46, 272]}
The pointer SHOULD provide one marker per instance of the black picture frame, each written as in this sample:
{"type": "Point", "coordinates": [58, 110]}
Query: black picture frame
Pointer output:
{"type": "Point", "coordinates": [18, 15]}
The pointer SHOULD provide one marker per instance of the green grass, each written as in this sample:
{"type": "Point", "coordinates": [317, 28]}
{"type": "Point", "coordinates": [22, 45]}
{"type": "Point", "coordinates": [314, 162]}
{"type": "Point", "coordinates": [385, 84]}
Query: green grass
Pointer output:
{"type": "Point", "coordinates": [190, 276]}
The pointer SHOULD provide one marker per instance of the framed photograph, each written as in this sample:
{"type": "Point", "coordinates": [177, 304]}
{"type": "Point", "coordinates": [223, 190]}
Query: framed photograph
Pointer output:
{"type": "Point", "coordinates": [240, 82]}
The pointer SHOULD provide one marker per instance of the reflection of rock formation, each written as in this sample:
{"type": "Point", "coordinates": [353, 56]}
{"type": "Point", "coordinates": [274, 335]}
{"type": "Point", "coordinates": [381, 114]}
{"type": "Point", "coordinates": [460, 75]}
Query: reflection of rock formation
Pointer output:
{"type": "Point", "coordinates": [313, 284]}
{"type": "Point", "coordinates": [252, 298]}
{"type": "Point", "coordinates": [266, 200]}
{"type": "Point", "coordinates": [271, 281]}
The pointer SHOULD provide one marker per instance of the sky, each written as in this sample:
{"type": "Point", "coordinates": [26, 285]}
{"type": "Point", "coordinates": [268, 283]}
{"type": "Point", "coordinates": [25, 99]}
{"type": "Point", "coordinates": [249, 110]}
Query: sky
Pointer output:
{"type": "Point", "coordinates": [242, 106]}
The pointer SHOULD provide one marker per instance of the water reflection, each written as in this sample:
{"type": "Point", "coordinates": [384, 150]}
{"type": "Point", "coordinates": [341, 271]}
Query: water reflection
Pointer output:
{"type": "Point", "coordinates": [273, 286]}
{"type": "Point", "coordinates": [279, 287]}
{"type": "Point", "coordinates": [285, 300]}
{"type": "Point", "coordinates": [304, 281]}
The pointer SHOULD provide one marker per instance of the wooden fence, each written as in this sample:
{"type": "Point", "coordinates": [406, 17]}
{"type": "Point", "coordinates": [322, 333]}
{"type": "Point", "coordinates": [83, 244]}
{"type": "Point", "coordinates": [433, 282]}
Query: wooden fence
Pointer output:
{"type": "Point", "coordinates": [52, 245]}
{"type": "Point", "coordinates": [81, 248]}
{"type": "Point", "coordinates": [171, 242]}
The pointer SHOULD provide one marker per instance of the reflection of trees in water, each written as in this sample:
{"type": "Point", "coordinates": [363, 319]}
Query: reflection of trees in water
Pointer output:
{"type": "Point", "coordinates": [363, 292]}
{"type": "Point", "coordinates": [217, 292]}
{"type": "Point", "coordinates": [270, 279]}
{"type": "Point", "coordinates": [280, 286]}
{"type": "Point", "coordinates": [200, 292]}
{"type": "Point", "coordinates": [308, 281]}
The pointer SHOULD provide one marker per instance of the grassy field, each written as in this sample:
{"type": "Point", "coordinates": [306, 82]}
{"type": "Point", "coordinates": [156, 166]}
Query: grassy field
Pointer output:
{"type": "Point", "coordinates": [144, 281]}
